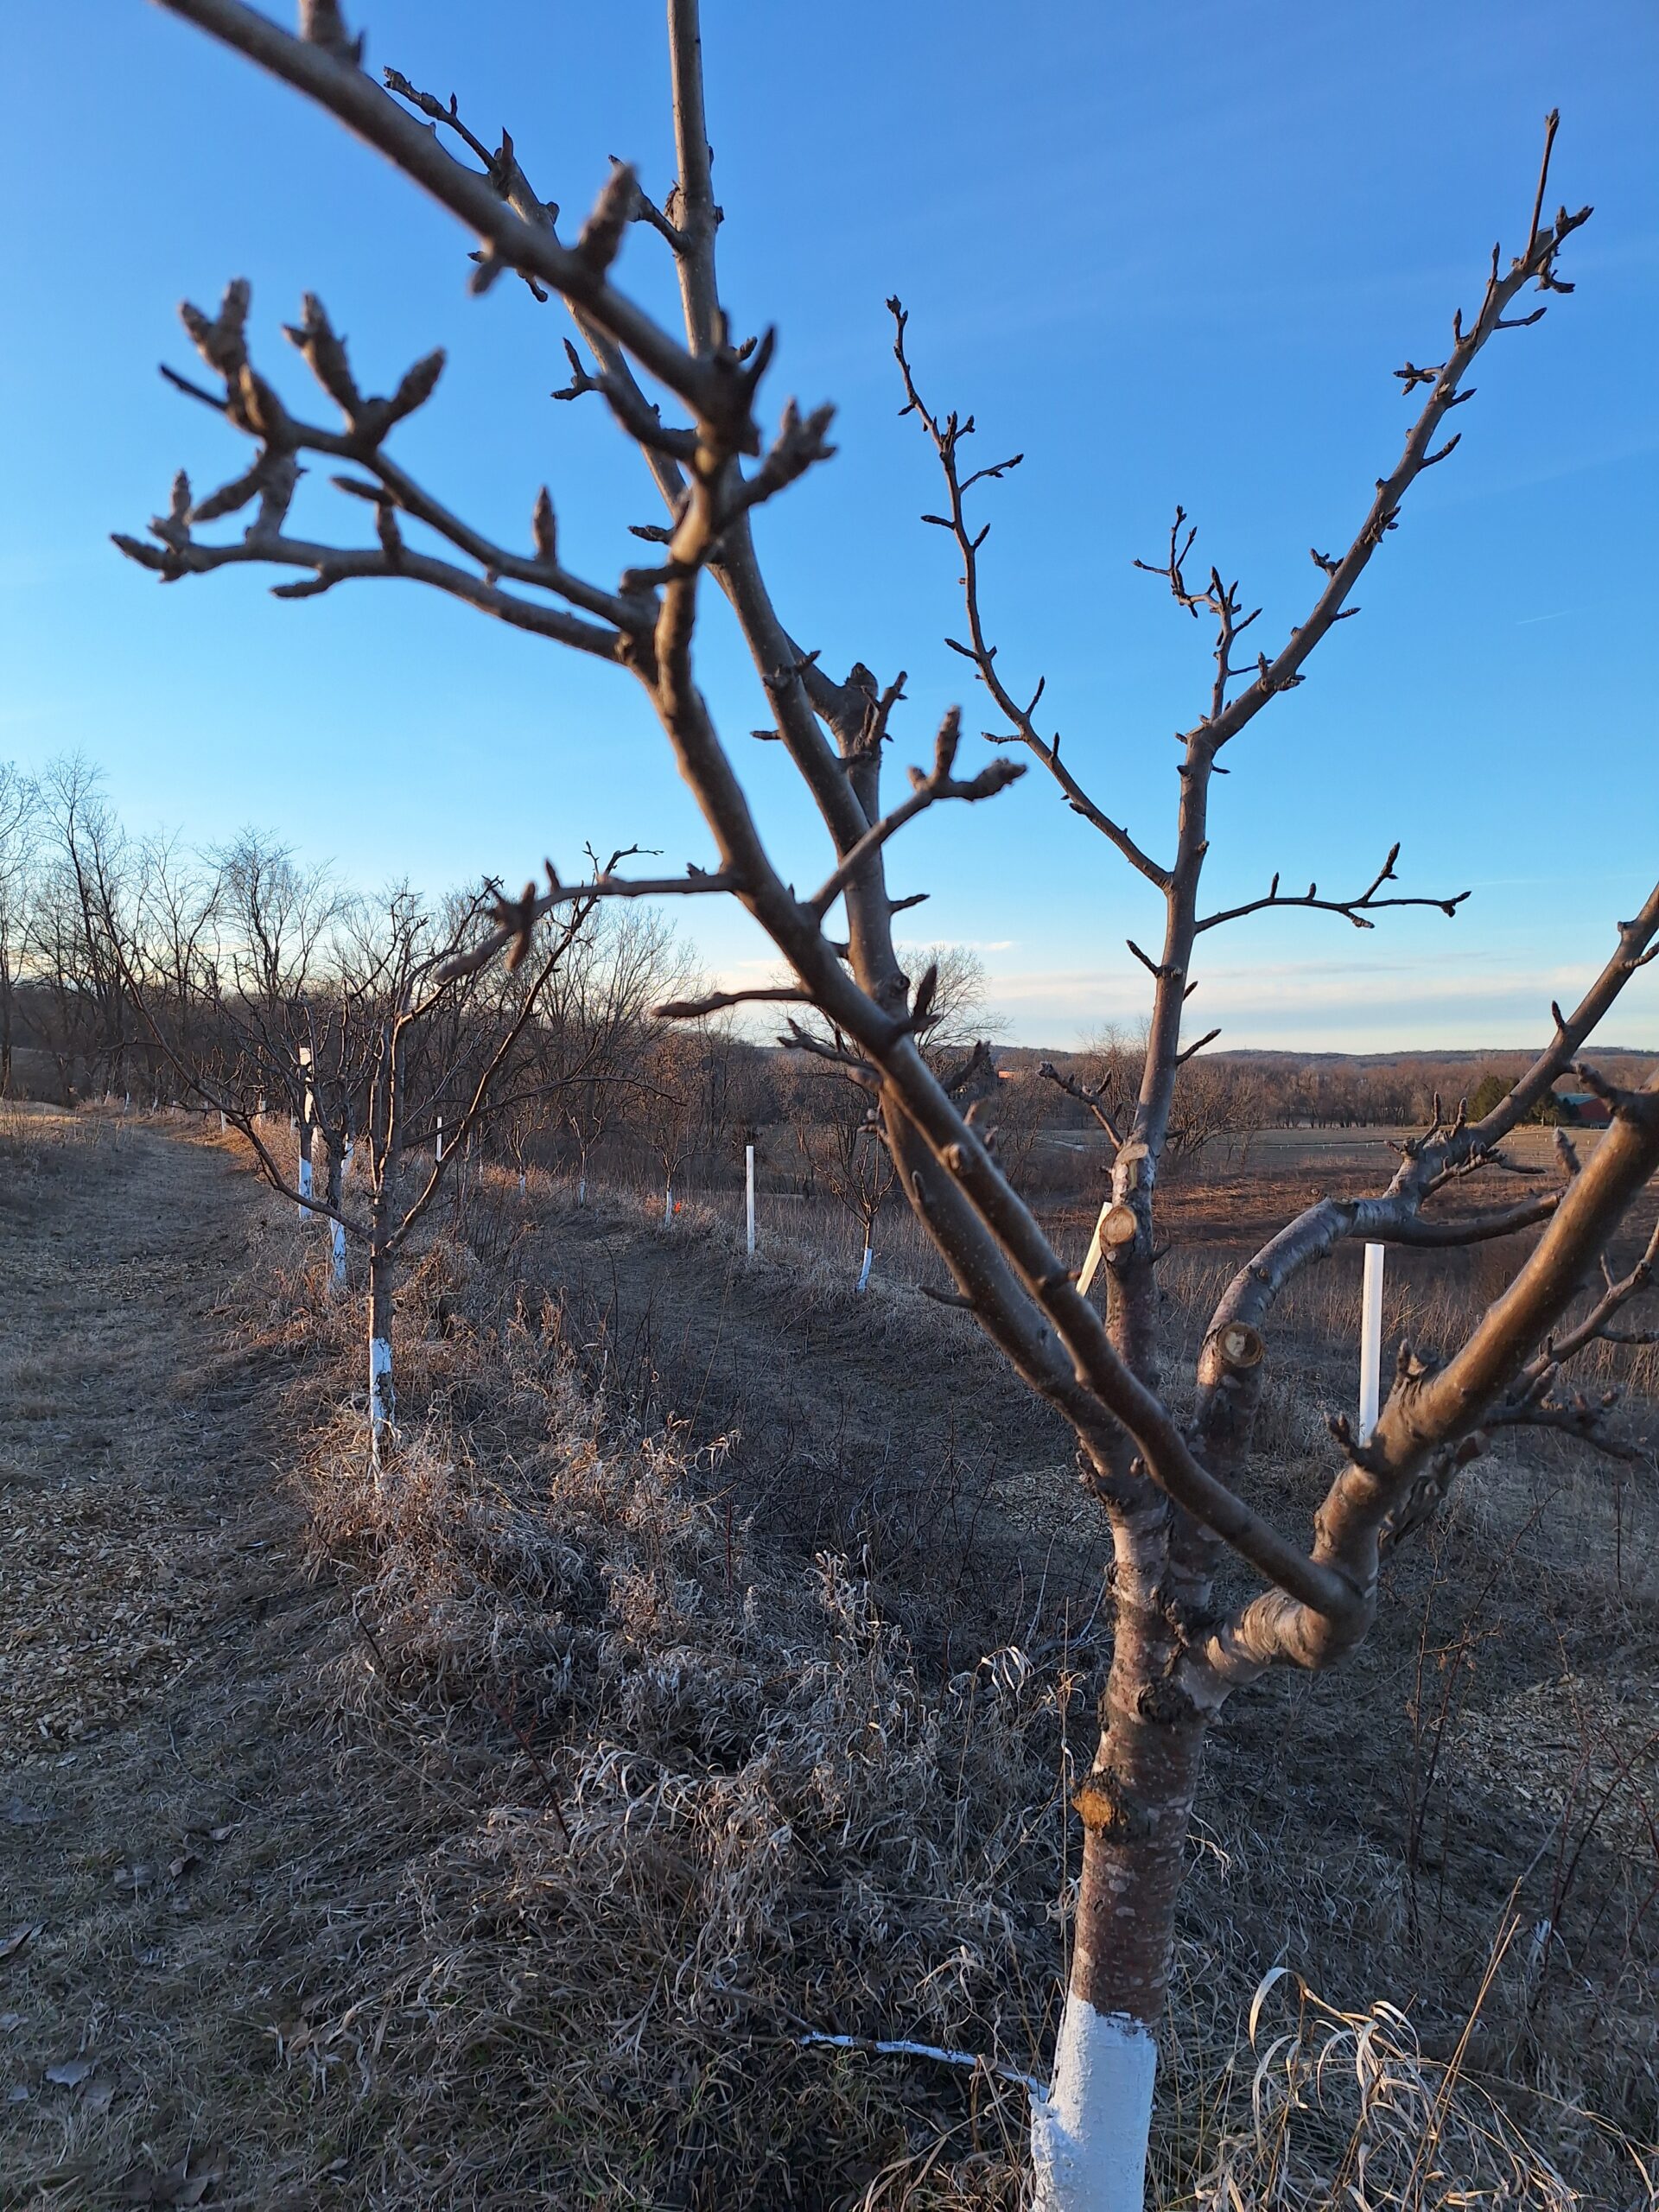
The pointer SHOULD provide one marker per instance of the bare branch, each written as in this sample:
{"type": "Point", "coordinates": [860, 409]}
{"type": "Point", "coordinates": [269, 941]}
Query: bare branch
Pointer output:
{"type": "Point", "coordinates": [926, 789]}
{"type": "Point", "coordinates": [514, 919]}
{"type": "Point", "coordinates": [1088, 1098]}
{"type": "Point", "coordinates": [715, 386]}
{"type": "Point", "coordinates": [1355, 910]}
{"type": "Point", "coordinates": [1583, 1420]}
{"type": "Point", "coordinates": [946, 436]}
{"type": "Point", "coordinates": [333, 564]}
{"type": "Point", "coordinates": [715, 1002]}
{"type": "Point", "coordinates": [1431, 1409]}
{"type": "Point", "coordinates": [1535, 265]}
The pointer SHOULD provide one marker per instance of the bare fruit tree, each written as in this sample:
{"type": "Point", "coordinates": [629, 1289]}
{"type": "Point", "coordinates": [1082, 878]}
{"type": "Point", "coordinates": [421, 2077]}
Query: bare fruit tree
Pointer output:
{"type": "Point", "coordinates": [287, 1019]}
{"type": "Point", "coordinates": [1172, 1487]}
{"type": "Point", "coordinates": [370, 1033]}
{"type": "Point", "coordinates": [839, 1137]}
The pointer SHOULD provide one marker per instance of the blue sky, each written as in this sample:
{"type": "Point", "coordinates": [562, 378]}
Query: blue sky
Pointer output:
{"type": "Point", "coordinates": [1171, 254]}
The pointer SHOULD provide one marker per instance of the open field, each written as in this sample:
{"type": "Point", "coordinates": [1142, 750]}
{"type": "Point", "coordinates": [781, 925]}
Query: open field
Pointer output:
{"type": "Point", "coordinates": [329, 1847]}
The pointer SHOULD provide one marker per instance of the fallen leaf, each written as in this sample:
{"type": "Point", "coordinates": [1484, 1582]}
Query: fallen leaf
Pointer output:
{"type": "Point", "coordinates": [132, 1877]}
{"type": "Point", "coordinates": [70, 2072]}
{"type": "Point", "coordinates": [186, 2183]}
{"type": "Point", "coordinates": [183, 1863]}
{"type": "Point", "coordinates": [21, 1935]}
{"type": "Point", "coordinates": [26, 1816]}
{"type": "Point", "coordinates": [218, 1835]}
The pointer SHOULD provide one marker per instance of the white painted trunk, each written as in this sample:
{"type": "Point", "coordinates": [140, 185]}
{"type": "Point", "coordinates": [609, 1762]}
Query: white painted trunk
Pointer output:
{"type": "Point", "coordinates": [864, 1272]}
{"type": "Point", "coordinates": [521, 1182]}
{"type": "Point", "coordinates": [1370, 1342]}
{"type": "Point", "coordinates": [338, 1269]}
{"type": "Point", "coordinates": [1089, 2134]}
{"type": "Point", "coordinates": [306, 1118]}
{"type": "Point", "coordinates": [582, 1190]}
{"type": "Point", "coordinates": [748, 1178]}
{"type": "Point", "coordinates": [668, 1204]}
{"type": "Point", "coordinates": [382, 1403]}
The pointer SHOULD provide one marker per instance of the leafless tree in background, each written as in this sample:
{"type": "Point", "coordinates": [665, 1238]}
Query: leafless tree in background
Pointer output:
{"type": "Point", "coordinates": [19, 812]}
{"type": "Point", "coordinates": [277, 992]}
{"type": "Point", "coordinates": [1173, 1489]}
{"type": "Point", "coordinates": [597, 1032]}
{"type": "Point", "coordinates": [669, 1111]}
{"type": "Point", "coordinates": [395, 1021]}
{"type": "Point", "coordinates": [87, 1024]}
{"type": "Point", "coordinates": [841, 1144]}
{"type": "Point", "coordinates": [1212, 1100]}
{"type": "Point", "coordinates": [960, 1015]}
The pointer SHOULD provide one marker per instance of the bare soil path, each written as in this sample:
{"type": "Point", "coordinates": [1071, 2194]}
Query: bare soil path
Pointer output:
{"type": "Point", "coordinates": [154, 1622]}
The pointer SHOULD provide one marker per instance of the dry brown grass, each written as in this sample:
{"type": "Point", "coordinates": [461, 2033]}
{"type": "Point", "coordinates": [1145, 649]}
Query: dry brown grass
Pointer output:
{"type": "Point", "coordinates": [531, 1835]}
{"type": "Point", "coordinates": [677, 1875]}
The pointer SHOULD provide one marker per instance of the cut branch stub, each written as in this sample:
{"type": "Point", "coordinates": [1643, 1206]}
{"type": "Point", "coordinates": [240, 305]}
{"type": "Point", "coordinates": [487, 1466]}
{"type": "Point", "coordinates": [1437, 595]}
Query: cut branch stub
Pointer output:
{"type": "Point", "coordinates": [1239, 1347]}
{"type": "Point", "coordinates": [1118, 1227]}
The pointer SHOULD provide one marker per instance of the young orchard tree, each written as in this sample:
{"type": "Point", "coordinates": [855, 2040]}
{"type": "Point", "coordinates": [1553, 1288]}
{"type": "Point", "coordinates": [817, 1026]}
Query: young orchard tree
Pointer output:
{"type": "Point", "coordinates": [234, 982]}
{"type": "Point", "coordinates": [446, 1051]}
{"type": "Point", "coordinates": [839, 1137]}
{"type": "Point", "coordinates": [671, 1101]}
{"type": "Point", "coordinates": [403, 1014]}
{"type": "Point", "coordinates": [290, 1017]}
{"type": "Point", "coordinates": [1174, 1488]}
{"type": "Point", "coordinates": [838, 1128]}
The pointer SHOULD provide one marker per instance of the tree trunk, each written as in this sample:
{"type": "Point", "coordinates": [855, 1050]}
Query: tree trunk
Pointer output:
{"type": "Point", "coordinates": [382, 1403]}
{"type": "Point", "coordinates": [1089, 2135]}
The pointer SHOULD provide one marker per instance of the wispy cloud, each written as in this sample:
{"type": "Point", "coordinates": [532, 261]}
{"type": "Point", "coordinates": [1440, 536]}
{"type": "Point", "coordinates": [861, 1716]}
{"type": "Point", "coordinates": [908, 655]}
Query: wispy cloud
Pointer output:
{"type": "Point", "coordinates": [1335, 1005]}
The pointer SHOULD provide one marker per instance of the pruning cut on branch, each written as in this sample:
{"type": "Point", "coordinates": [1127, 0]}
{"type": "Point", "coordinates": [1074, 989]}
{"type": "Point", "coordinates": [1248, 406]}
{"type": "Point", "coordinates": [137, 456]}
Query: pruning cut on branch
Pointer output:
{"type": "Point", "coordinates": [1171, 1483]}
